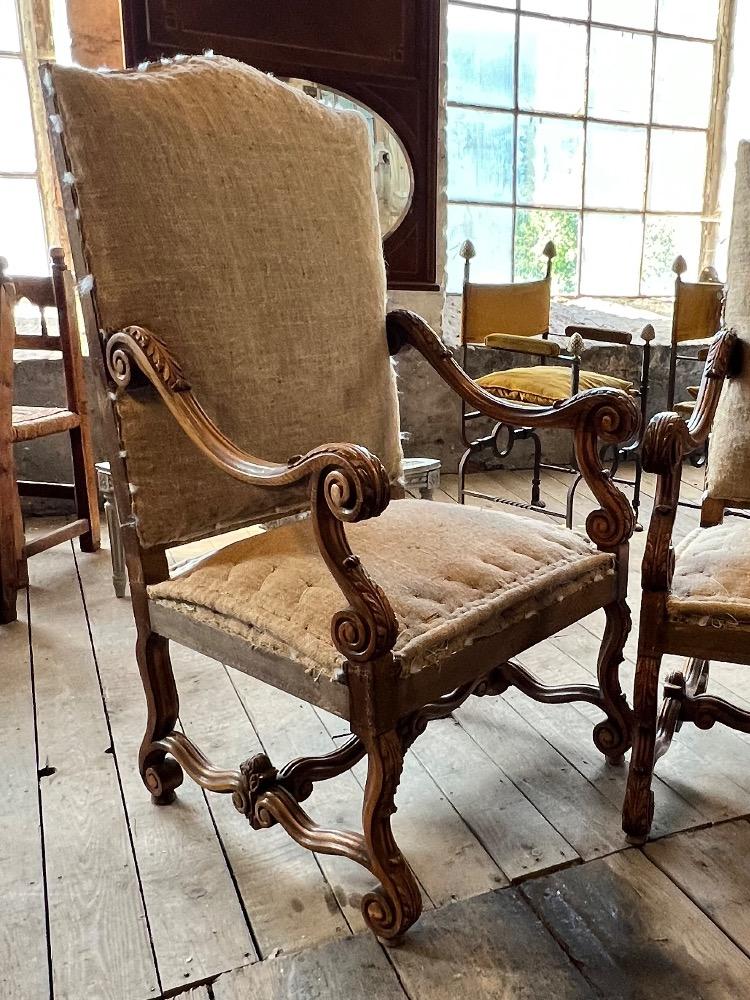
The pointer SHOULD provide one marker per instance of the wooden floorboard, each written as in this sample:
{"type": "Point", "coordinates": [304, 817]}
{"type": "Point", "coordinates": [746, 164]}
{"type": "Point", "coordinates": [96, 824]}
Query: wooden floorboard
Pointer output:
{"type": "Point", "coordinates": [23, 935]}
{"type": "Point", "coordinates": [507, 790]}
{"type": "Point", "coordinates": [98, 935]}
{"type": "Point", "coordinates": [634, 935]}
{"type": "Point", "coordinates": [196, 920]}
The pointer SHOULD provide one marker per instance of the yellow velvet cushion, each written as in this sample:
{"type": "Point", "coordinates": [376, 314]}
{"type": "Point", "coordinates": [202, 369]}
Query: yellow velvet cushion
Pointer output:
{"type": "Point", "coordinates": [544, 384]}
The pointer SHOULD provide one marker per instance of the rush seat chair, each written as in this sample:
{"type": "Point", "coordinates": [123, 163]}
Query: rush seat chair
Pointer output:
{"type": "Point", "coordinates": [20, 424]}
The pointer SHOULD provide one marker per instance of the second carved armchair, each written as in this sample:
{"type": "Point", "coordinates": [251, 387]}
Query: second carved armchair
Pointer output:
{"type": "Point", "coordinates": [696, 596]}
{"type": "Point", "coordinates": [227, 246]}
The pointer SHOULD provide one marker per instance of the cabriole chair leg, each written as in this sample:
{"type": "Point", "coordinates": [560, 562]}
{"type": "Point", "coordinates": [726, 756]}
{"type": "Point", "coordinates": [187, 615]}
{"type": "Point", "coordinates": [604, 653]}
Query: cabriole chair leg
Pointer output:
{"type": "Point", "coordinates": [612, 736]}
{"type": "Point", "coordinates": [638, 809]}
{"type": "Point", "coordinates": [391, 909]}
{"type": "Point", "coordinates": [161, 774]}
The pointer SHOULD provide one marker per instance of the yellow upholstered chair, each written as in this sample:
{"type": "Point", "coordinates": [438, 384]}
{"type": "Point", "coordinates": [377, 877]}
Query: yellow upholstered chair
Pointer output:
{"type": "Point", "coordinates": [696, 596]}
{"type": "Point", "coordinates": [236, 311]}
{"type": "Point", "coordinates": [696, 316]}
{"type": "Point", "coordinates": [515, 319]}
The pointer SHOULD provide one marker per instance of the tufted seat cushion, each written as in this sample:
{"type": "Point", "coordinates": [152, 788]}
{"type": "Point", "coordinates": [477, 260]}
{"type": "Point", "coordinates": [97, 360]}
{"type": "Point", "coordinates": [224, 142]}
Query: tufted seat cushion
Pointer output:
{"type": "Point", "coordinates": [453, 574]}
{"type": "Point", "coordinates": [545, 384]}
{"type": "Point", "coordinates": [712, 574]}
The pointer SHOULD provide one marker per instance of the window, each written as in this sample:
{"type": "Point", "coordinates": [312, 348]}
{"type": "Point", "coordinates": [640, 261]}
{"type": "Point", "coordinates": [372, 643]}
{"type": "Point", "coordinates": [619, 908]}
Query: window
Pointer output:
{"type": "Point", "coordinates": [28, 221]}
{"type": "Point", "coordinates": [587, 122]}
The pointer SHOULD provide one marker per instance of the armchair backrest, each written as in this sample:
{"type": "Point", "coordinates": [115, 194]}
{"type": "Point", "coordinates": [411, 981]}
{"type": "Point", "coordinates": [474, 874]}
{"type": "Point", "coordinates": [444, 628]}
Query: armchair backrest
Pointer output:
{"type": "Point", "coordinates": [697, 305]}
{"type": "Point", "coordinates": [520, 309]}
{"type": "Point", "coordinates": [728, 476]}
{"type": "Point", "coordinates": [235, 218]}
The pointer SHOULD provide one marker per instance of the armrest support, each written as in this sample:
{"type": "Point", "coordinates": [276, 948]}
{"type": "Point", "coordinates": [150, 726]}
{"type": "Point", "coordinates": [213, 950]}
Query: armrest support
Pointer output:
{"type": "Point", "coordinates": [348, 484]}
{"type": "Point", "coordinates": [522, 345]}
{"type": "Point", "coordinates": [606, 414]}
{"type": "Point", "coordinates": [667, 441]}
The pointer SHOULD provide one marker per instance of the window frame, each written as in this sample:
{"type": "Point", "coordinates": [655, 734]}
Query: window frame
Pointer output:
{"type": "Point", "coordinates": [708, 214]}
{"type": "Point", "coordinates": [36, 46]}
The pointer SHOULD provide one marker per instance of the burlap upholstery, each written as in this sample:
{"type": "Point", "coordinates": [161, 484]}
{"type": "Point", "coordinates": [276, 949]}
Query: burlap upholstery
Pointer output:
{"type": "Point", "coordinates": [728, 475]}
{"type": "Point", "coordinates": [545, 384]}
{"type": "Point", "coordinates": [712, 575]}
{"type": "Point", "coordinates": [236, 218]}
{"type": "Point", "coordinates": [453, 574]}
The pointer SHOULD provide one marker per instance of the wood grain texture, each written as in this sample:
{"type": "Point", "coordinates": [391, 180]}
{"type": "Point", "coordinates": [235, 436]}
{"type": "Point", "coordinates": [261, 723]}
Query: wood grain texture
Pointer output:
{"type": "Point", "coordinates": [23, 935]}
{"type": "Point", "coordinates": [634, 935]}
{"type": "Point", "coordinates": [287, 898]}
{"type": "Point", "coordinates": [98, 936]}
{"type": "Point", "coordinates": [710, 866]}
{"type": "Point", "coordinates": [488, 948]}
{"type": "Point", "coordinates": [581, 814]}
{"type": "Point", "coordinates": [196, 918]}
{"type": "Point", "coordinates": [342, 970]}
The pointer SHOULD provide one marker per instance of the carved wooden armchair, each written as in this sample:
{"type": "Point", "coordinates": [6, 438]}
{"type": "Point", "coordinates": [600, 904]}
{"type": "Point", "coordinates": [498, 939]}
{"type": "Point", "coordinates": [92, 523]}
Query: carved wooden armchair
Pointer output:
{"type": "Point", "coordinates": [515, 319]}
{"type": "Point", "coordinates": [21, 423]}
{"type": "Point", "coordinates": [226, 235]}
{"type": "Point", "coordinates": [696, 599]}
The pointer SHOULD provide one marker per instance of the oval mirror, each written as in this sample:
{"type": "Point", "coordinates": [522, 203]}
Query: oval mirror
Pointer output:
{"type": "Point", "coordinates": [394, 177]}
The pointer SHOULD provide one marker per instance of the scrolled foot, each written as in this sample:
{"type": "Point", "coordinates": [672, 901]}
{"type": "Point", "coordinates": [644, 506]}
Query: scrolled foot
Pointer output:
{"type": "Point", "coordinates": [390, 918]}
{"type": "Point", "coordinates": [612, 740]}
{"type": "Point", "coordinates": [162, 779]}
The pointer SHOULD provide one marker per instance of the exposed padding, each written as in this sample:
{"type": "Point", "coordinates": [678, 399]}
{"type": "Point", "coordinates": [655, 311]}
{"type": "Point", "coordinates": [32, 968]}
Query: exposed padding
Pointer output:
{"type": "Point", "coordinates": [236, 219]}
{"type": "Point", "coordinates": [545, 384]}
{"type": "Point", "coordinates": [728, 476]}
{"type": "Point", "coordinates": [453, 574]}
{"type": "Point", "coordinates": [712, 574]}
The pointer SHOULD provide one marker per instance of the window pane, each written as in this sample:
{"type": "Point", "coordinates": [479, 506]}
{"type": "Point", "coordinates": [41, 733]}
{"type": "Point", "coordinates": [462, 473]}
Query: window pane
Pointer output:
{"type": "Point", "coordinates": [558, 8]}
{"type": "Point", "coordinates": [9, 37]}
{"type": "Point", "coordinates": [615, 166]}
{"type": "Point", "coordinates": [550, 161]}
{"type": "Point", "coordinates": [666, 236]}
{"type": "Point", "coordinates": [491, 232]}
{"type": "Point", "coordinates": [611, 254]}
{"type": "Point", "coordinates": [61, 33]}
{"type": "Point", "coordinates": [678, 171]}
{"type": "Point", "coordinates": [17, 153]}
{"type": "Point", "coordinates": [682, 84]}
{"type": "Point", "coordinates": [480, 155]}
{"type": "Point", "coordinates": [23, 239]}
{"type": "Point", "coordinates": [552, 66]}
{"type": "Point", "coordinates": [620, 75]}
{"type": "Point", "coordinates": [534, 227]}
{"type": "Point", "coordinates": [629, 14]}
{"type": "Point", "coordinates": [481, 50]}
{"type": "Point", "coordinates": [689, 17]}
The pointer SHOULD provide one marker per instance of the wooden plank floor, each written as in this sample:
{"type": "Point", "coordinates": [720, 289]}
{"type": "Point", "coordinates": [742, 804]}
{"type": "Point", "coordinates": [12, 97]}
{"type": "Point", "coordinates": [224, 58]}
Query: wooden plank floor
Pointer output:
{"type": "Point", "coordinates": [508, 815]}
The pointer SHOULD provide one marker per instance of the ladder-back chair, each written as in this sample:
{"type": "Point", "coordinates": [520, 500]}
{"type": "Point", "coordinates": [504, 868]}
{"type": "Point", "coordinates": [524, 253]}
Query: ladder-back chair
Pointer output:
{"type": "Point", "coordinates": [696, 598]}
{"type": "Point", "coordinates": [235, 302]}
{"type": "Point", "coordinates": [515, 319]}
{"type": "Point", "coordinates": [20, 424]}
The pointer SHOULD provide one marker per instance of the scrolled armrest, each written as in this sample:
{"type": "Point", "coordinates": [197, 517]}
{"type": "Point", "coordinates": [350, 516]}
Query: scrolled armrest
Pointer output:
{"type": "Point", "coordinates": [609, 415]}
{"type": "Point", "coordinates": [348, 484]}
{"type": "Point", "coordinates": [668, 437]}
